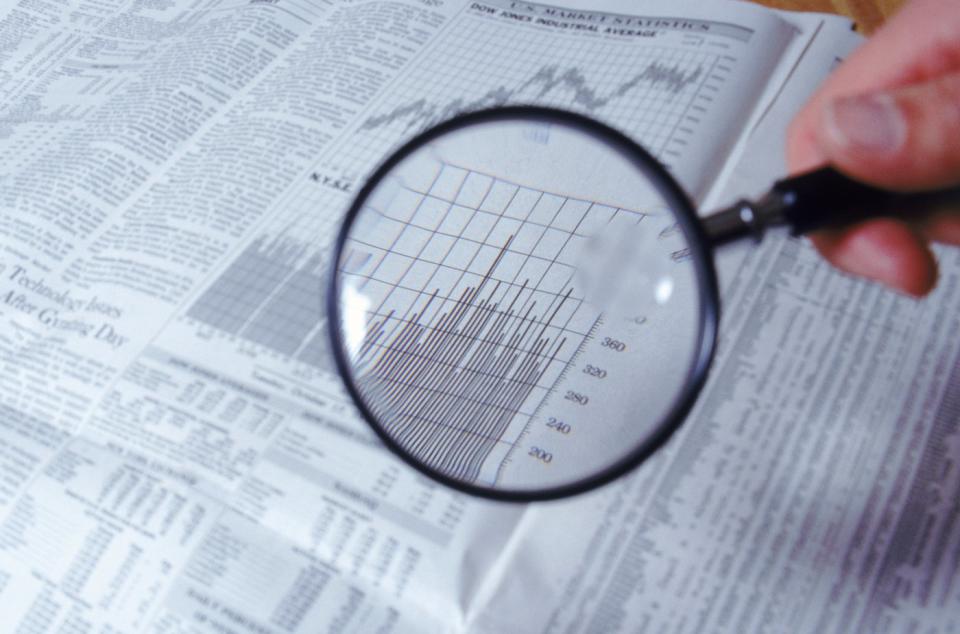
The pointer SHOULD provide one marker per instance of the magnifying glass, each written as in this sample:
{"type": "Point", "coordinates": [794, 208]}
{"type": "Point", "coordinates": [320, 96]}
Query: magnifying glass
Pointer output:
{"type": "Point", "coordinates": [523, 302]}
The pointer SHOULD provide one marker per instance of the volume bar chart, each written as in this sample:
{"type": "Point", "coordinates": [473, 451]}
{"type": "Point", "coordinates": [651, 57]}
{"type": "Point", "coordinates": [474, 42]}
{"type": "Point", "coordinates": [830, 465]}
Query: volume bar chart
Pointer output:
{"type": "Point", "coordinates": [464, 314]}
{"type": "Point", "coordinates": [270, 295]}
{"type": "Point", "coordinates": [447, 389]}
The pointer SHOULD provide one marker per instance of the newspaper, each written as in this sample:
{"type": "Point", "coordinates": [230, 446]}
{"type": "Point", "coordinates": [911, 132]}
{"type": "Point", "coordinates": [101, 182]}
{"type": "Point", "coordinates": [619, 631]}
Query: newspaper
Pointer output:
{"type": "Point", "coordinates": [177, 453]}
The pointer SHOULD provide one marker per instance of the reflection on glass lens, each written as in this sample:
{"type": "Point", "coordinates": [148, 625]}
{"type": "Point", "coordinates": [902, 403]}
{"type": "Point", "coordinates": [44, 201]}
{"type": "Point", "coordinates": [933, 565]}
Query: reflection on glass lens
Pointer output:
{"type": "Point", "coordinates": [517, 305]}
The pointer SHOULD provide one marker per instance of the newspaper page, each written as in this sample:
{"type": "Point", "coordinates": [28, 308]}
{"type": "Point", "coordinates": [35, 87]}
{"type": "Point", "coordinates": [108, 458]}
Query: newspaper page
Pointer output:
{"type": "Point", "coordinates": [814, 489]}
{"type": "Point", "coordinates": [177, 454]}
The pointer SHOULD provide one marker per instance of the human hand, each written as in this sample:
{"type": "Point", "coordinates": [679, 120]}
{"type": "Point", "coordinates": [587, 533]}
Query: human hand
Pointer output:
{"type": "Point", "coordinates": [890, 116]}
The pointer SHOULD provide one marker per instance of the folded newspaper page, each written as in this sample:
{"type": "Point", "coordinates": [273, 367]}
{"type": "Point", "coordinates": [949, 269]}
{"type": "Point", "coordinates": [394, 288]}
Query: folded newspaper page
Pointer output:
{"type": "Point", "coordinates": [177, 453]}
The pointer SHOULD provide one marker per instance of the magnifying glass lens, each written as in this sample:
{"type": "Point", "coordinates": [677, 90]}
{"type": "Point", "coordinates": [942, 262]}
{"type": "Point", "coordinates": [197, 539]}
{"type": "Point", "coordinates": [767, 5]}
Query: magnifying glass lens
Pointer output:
{"type": "Point", "coordinates": [518, 307]}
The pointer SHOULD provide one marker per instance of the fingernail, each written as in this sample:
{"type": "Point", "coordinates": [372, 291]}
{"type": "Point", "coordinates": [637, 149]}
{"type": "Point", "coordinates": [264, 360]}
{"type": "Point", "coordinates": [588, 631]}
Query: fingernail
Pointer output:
{"type": "Point", "coordinates": [871, 123]}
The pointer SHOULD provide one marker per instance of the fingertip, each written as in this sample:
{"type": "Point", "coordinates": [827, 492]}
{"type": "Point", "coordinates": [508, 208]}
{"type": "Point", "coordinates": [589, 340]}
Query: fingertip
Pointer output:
{"type": "Point", "coordinates": [864, 135]}
{"type": "Point", "coordinates": [884, 250]}
{"type": "Point", "coordinates": [903, 138]}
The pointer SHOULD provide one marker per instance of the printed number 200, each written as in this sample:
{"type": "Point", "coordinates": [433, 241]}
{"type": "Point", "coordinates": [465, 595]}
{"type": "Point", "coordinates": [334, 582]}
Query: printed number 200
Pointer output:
{"type": "Point", "coordinates": [540, 454]}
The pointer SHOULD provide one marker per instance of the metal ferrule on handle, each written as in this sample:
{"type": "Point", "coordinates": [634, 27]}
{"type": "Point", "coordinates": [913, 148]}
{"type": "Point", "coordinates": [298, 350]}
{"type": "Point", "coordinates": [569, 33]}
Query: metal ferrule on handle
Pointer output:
{"type": "Point", "coordinates": [817, 200]}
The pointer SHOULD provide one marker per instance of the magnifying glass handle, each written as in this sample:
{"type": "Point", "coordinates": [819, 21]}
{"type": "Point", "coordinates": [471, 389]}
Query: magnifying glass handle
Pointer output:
{"type": "Point", "coordinates": [816, 200]}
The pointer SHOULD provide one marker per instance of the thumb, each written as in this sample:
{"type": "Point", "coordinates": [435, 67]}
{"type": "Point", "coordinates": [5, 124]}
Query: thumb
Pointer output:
{"type": "Point", "coordinates": [906, 138]}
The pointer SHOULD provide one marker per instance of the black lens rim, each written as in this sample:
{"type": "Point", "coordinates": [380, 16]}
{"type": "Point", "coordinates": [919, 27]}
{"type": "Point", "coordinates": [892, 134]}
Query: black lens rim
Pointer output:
{"type": "Point", "coordinates": [700, 251]}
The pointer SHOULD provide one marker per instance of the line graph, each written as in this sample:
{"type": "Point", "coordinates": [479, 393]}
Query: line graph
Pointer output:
{"type": "Point", "coordinates": [659, 92]}
{"type": "Point", "coordinates": [547, 81]}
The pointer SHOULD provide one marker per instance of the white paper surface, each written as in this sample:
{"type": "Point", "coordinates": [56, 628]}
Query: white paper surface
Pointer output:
{"type": "Point", "coordinates": [177, 455]}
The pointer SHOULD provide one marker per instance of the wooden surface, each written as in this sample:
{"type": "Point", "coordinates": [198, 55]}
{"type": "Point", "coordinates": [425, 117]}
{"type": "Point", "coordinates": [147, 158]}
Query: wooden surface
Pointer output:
{"type": "Point", "coordinates": [868, 14]}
